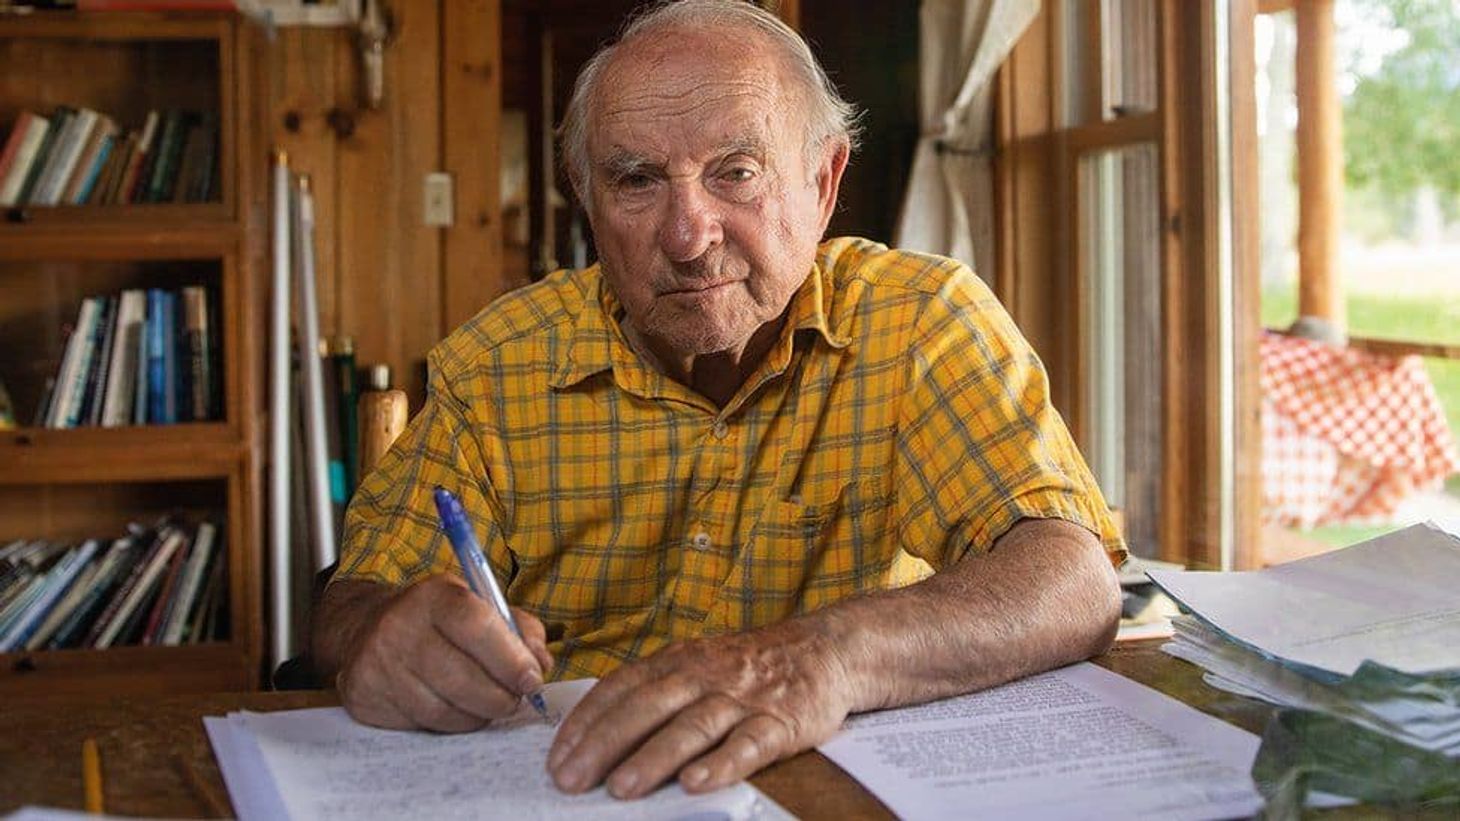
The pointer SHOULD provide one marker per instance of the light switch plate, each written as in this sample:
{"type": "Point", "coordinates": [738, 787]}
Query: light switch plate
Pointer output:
{"type": "Point", "coordinates": [440, 198]}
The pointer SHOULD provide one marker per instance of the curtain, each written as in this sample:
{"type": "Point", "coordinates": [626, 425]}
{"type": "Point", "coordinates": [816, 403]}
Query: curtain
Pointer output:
{"type": "Point", "coordinates": [948, 207]}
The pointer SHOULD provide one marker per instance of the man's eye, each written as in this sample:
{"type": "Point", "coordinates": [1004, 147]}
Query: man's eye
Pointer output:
{"type": "Point", "coordinates": [635, 182]}
{"type": "Point", "coordinates": [739, 175]}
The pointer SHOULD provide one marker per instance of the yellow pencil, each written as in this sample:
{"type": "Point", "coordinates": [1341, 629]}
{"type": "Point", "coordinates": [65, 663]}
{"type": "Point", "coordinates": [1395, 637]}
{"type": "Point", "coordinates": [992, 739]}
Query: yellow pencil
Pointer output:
{"type": "Point", "coordinates": [91, 776]}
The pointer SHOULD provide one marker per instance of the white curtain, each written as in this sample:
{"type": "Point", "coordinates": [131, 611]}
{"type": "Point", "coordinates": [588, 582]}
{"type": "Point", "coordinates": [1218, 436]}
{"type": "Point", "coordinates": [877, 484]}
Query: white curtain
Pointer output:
{"type": "Point", "coordinates": [948, 208]}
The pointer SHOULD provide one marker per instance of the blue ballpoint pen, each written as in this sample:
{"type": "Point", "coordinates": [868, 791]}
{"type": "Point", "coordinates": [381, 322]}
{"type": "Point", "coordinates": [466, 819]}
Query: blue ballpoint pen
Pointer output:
{"type": "Point", "coordinates": [478, 576]}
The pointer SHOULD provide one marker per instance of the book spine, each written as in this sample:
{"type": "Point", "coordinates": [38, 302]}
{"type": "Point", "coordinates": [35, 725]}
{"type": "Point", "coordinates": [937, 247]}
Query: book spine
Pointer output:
{"type": "Point", "coordinates": [74, 628]}
{"type": "Point", "coordinates": [44, 153]}
{"type": "Point", "coordinates": [93, 174]}
{"type": "Point", "coordinates": [156, 343]}
{"type": "Point", "coordinates": [67, 605]}
{"type": "Point", "coordinates": [195, 322]}
{"type": "Point", "coordinates": [165, 597]}
{"type": "Point", "coordinates": [58, 582]}
{"type": "Point", "coordinates": [66, 377]}
{"type": "Point", "coordinates": [88, 162]}
{"type": "Point", "coordinates": [121, 377]}
{"type": "Point", "coordinates": [169, 356]}
{"type": "Point", "coordinates": [192, 581]}
{"type": "Point", "coordinates": [76, 396]}
{"type": "Point", "coordinates": [202, 188]}
{"type": "Point", "coordinates": [25, 159]}
{"type": "Point", "coordinates": [12, 142]}
{"type": "Point", "coordinates": [67, 154]}
{"type": "Point", "coordinates": [124, 588]}
{"type": "Point", "coordinates": [91, 392]}
{"type": "Point", "coordinates": [164, 156]}
{"type": "Point", "coordinates": [146, 581]}
{"type": "Point", "coordinates": [135, 172]}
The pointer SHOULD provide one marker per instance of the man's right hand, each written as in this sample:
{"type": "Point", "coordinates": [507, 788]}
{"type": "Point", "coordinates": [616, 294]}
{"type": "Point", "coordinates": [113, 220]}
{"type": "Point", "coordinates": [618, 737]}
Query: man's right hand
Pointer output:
{"type": "Point", "coordinates": [436, 657]}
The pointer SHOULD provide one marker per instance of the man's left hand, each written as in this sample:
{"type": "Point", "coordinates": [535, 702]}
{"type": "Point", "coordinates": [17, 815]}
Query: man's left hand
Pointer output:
{"type": "Point", "coordinates": [712, 710]}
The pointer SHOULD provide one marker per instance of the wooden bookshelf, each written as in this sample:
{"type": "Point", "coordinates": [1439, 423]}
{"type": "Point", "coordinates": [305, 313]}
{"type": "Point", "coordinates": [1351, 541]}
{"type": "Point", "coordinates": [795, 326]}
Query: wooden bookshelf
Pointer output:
{"type": "Point", "coordinates": [91, 481]}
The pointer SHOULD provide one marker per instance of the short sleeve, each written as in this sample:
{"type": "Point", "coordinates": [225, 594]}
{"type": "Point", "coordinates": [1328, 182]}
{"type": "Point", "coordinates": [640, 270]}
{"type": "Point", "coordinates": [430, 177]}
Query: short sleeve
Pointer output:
{"type": "Point", "coordinates": [392, 532]}
{"type": "Point", "coordinates": [980, 446]}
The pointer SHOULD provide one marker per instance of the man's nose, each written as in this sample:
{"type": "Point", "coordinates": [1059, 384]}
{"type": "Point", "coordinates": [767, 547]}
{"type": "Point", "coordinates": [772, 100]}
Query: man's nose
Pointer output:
{"type": "Point", "coordinates": [692, 225]}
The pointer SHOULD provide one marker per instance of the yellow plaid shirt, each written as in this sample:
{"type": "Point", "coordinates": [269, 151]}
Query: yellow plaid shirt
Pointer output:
{"type": "Point", "coordinates": [900, 422]}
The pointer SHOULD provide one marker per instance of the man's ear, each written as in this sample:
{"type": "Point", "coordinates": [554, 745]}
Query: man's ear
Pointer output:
{"type": "Point", "coordinates": [829, 170]}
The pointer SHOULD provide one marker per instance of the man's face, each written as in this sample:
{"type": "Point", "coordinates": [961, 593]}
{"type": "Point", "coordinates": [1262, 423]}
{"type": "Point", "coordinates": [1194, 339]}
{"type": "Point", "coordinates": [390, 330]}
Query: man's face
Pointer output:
{"type": "Point", "coordinates": [703, 207]}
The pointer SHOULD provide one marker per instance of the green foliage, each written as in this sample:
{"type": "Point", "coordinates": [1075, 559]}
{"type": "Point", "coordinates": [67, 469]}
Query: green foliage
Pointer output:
{"type": "Point", "coordinates": [1402, 123]}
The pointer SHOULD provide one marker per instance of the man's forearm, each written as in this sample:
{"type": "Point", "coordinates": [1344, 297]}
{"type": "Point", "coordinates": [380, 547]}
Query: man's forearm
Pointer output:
{"type": "Point", "coordinates": [1045, 596]}
{"type": "Point", "coordinates": [345, 607]}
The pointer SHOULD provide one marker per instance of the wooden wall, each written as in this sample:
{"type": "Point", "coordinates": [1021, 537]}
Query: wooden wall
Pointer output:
{"type": "Point", "coordinates": [394, 284]}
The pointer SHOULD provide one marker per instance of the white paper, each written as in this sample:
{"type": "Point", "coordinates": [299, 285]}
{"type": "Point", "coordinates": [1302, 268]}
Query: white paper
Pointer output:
{"type": "Point", "coordinates": [1391, 599]}
{"type": "Point", "coordinates": [1080, 742]}
{"type": "Point", "coordinates": [1430, 725]}
{"type": "Point", "coordinates": [319, 764]}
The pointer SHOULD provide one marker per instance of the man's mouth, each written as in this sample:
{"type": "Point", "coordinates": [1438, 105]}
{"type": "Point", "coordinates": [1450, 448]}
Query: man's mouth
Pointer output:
{"type": "Point", "coordinates": [700, 289]}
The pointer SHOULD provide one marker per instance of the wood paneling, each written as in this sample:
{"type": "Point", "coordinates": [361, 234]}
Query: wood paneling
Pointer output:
{"type": "Point", "coordinates": [385, 278]}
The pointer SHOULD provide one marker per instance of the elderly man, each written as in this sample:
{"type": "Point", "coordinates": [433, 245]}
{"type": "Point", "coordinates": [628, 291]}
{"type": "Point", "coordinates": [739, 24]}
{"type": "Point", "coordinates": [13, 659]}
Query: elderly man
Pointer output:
{"type": "Point", "coordinates": [753, 480]}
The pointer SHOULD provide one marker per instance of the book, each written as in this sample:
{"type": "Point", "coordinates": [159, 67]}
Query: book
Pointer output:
{"type": "Point", "coordinates": [206, 180]}
{"type": "Point", "coordinates": [96, 368]}
{"type": "Point", "coordinates": [68, 603]}
{"type": "Point", "coordinates": [191, 586]}
{"type": "Point", "coordinates": [64, 158]}
{"type": "Point", "coordinates": [60, 118]}
{"type": "Point", "coordinates": [198, 354]}
{"type": "Point", "coordinates": [124, 582]}
{"type": "Point", "coordinates": [164, 164]}
{"type": "Point", "coordinates": [116, 567]}
{"type": "Point", "coordinates": [157, 344]}
{"type": "Point", "coordinates": [57, 581]}
{"type": "Point", "coordinates": [25, 140]}
{"type": "Point", "coordinates": [12, 142]}
{"type": "Point", "coordinates": [138, 161]}
{"type": "Point", "coordinates": [213, 596]}
{"type": "Point", "coordinates": [71, 362]}
{"type": "Point", "coordinates": [166, 595]}
{"type": "Point", "coordinates": [121, 381]}
{"type": "Point", "coordinates": [146, 580]}
{"type": "Point", "coordinates": [88, 164]}
{"type": "Point", "coordinates": [116, 159]}
{"type": "Point", "coordinates": [187, 167]}
{"type": "Point", "coordinates": [142, 393]}
{"type": "Point", "coordinates": [169, 357]}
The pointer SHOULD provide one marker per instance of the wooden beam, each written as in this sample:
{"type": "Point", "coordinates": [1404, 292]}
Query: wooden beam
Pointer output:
{"type": "Point", "coordinates": [1248, 549]}
{"type": "Point", "coordinates": [1320, 164]}
{"type": "Point", "coordinates": [1274, 6]}
{"type": "Point", "coordinates": [1399, 347]}
{"type": "Point", "coordinates": [472, 273]}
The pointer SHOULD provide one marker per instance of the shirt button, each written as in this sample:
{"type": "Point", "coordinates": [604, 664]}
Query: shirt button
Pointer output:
{"type": "Point", "coordinates": [701, 541]}
{"type": "Point", "coordinates": [721, 430]}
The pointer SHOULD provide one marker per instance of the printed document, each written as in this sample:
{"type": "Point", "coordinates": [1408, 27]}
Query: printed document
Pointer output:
{"type": "Point", "coordinates": [320, 764]}
{"type": "Point", "coordinates": [1080, 742]}
{"type": "Point", "coordinates": [1391, 600]}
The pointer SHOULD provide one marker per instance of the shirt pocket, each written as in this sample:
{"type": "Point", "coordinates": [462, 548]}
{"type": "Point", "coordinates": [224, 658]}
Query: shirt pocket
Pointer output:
{"type": "Point", "coordinates": [805, 554]}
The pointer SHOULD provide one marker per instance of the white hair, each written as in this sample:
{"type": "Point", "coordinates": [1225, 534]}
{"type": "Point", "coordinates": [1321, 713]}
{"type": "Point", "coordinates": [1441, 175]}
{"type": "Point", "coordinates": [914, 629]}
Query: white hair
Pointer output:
{"type": "Point", "coordinates": [828, 116]}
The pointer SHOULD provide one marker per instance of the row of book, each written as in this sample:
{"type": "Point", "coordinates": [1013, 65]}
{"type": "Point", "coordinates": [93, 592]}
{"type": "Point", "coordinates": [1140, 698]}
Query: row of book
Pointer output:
{"type": "Point", "coordinates": [163, 585]}
{"type": "Point", "coordinates": [78, 156]}
{"type": "Point", "coordinates": [138, 358]}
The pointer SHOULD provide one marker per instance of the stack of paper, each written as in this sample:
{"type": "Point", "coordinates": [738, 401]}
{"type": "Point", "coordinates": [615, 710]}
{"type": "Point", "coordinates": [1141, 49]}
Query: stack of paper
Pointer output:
{"type": "Point", "coordinates": [1369, 633]}
{"type": "Point", "coordinates": [319, 764]}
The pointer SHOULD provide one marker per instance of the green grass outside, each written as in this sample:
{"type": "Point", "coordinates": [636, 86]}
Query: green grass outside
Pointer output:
{"type": "Point", "coordinates": [1428, 319]}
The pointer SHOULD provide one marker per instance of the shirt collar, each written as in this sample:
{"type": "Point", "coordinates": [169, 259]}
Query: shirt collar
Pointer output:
{"type": "Point", "coordinates": [598, 343]}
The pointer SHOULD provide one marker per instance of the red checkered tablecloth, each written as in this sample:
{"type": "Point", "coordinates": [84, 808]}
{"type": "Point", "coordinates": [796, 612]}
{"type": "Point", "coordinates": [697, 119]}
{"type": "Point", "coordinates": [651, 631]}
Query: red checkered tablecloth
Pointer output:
{"type": "Point", "coordinates": [1346, 435]}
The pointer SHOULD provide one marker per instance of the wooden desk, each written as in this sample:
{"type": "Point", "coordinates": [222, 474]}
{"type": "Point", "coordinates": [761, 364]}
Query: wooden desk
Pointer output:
{"type": "Point", "coordinates": [148, 745]}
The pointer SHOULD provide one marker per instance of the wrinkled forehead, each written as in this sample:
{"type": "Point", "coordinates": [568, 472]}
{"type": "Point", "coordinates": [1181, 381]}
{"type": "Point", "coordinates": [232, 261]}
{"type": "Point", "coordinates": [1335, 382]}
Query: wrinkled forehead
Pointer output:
{"type": "Point", "coordinates": [685, 89]}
